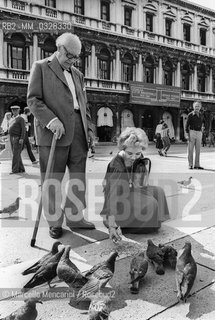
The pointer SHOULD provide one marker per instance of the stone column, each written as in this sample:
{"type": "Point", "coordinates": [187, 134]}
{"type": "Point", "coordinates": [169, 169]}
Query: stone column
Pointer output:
{"type": "Point", "coordinates": [117, 76]}
{"type": "Point", "coordinates": [140, 69]}
{"type": "Point", "coordinates": [195, 78]}
{"type": "Point", "coordinates": [160, 72]}
{"type": "Point", "coordinates": [195, 32]}
{"type": "Point", "coordinates": [28, 58]}
{"type": "Point", "coordinates": [210, 35]}
{"type": "Point", "coordinates": [7, 53]}
{"type": "Point", "coordinates": [1, 48]}
{"type": "Point", "coordinates": [93, 62]}
{"type": "Point", "coordinates": [35, 48]}
{"type": "Point", "coordinates": [210, 84]}
{"type": "Point", "coordinates": [178, 74]}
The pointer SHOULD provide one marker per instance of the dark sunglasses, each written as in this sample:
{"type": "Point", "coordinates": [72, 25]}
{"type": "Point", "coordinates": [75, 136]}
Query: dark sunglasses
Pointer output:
{"type": "Point", "coordinates": [70, 55]}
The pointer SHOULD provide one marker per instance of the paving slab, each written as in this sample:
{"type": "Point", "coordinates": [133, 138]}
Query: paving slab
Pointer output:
{"type": "Point", "coordinates": [157, 293]}
{"type": "Point", "coordinates": [200, 306]}
{"type": "Point", "coordinates": [203, 247]}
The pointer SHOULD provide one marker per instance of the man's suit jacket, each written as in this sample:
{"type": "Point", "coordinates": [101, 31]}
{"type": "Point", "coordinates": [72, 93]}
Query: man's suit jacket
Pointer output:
{"type": "Point", "coordinates": [49, 96]}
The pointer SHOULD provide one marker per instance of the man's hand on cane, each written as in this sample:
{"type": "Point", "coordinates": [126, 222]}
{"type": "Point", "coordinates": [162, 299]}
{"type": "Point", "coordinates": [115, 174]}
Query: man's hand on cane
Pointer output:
{"type": "Point", "coordinates": [57, 128]}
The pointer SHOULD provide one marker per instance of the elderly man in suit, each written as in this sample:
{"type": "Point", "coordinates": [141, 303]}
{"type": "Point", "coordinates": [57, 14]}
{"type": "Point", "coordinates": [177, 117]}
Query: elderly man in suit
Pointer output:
{"type": "Point", "coordinates": [57, 98]}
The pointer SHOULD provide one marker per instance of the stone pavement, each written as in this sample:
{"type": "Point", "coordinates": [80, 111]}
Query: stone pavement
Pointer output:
{"type": "Point", "coordinates": [192, 218]}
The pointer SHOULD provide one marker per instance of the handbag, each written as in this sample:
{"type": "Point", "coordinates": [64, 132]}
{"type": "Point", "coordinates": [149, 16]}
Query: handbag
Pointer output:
{"type": "Point", "coordinates": [141, 171]}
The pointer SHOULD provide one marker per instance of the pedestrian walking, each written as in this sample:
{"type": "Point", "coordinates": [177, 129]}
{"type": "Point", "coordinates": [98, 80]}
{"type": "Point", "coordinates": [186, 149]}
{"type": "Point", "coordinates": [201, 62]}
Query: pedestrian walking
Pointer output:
{"type": "Point", "coordinates": [17, 135]}
{"type": "Point", "coordinates": [25, 116]}
{"type": "Point", "coordinates": [165, 139]}
{"type": "Point", "coordinates": [57, 99]}
{"type": "Point", "coordinates": [6, 137]}
{"type": "Point", "coordinates": [158, 140]}
{"type": "Point", "coordinates": [194, 130]}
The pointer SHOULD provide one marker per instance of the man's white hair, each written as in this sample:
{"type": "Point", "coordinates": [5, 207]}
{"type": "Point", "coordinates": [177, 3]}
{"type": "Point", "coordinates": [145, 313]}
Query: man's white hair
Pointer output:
{"type": "Point", "coordinates": [69, 40]}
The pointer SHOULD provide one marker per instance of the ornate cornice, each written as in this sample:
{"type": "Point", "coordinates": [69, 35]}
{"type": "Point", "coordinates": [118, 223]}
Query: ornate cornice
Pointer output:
{"type": "Point", "coordinates": [192, 6]}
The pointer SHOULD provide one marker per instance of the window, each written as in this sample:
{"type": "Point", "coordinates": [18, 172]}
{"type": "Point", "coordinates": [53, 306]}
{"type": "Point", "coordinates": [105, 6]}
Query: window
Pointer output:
{"type": "Point", "coordinates": [185, 76]}
{"type": "Point", "coordinates": [201, 84]}
{"type": "Point", "coordinates": [105, 10]}
{"type": "Point", "coordinates": [201, 73]}
{"type": "Point", "coordinates": [168, 27]}
{"type": "Point", "coordinates": [168, 78]}
{"type": "Point", "coordinates": [18, 54]}
{"type": "Point", "coordinates": [149, 22]}
{"type": "Point", "coordinates": [104, 65]}
{"type": "Point", "coordinates": [185, 82]}
{"type": "Point", "coordinates": [149, 75]}
{"type": "Point", "coordinates": [168, 71]}
{"type": "Point", "coordinates": [128, 15]}
{"type": "Point", "coordinates": [203, 37]}
{"type": "Point", "coordinates": [50, 3]}
{"type": "Point", "coordinates": [186, 31]}
{"type": "Point", "coordinates": [127, 68]}
{"type": "Point", "coordinates": [79, 7]}
{"type": "Point", "coordinates": [48, 48]}
{"type": "Point", "coordinates": [149, 70]}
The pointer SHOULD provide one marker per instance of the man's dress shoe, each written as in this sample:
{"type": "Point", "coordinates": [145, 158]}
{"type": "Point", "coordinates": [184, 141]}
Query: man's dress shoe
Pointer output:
{"type": "Point", "coordinates": [55, 232]}
{"type": "Point", "coordinates": [81, 224]}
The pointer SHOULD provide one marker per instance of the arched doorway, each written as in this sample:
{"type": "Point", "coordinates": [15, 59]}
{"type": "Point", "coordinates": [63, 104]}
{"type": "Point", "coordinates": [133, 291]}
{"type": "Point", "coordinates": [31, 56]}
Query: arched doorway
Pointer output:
{"type": "Point", "coordinates": [127, 119]}
{"type": "Point", "coordinates": [147, 124]}
{"type": "Point", "coordinates": [104, 124]}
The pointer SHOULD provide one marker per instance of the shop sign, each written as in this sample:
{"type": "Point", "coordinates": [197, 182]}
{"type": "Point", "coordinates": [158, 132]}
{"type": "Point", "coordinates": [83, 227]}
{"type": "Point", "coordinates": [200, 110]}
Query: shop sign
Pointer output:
{"type": "Point", "coordinates": [154, 94]}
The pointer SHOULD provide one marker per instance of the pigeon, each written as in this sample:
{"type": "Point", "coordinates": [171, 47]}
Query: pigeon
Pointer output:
{"type": "Point", "coordinates": [138, 269]}
{"type": "Point", "coordinates": [156, 256]}
{"type": "Point", "coordinates": [99, 308]}
{"type": "Point", "coordinates": [43, 260]}
{"type": "Point", "coordinates": [68, 272]}
{"type": "Point", "coordinates": [185, 183]}
{"type": "Point", "coordinates": [13, 207]}
{"type": "Point", "coordinates": [170, 255]}
{"type": "Point", "coordinates": [46, 273]}
{"type": "Point", "coordinates": [26, 312]}
{"type": "Point", "coordinates": [186, 270]}
{"type": "Point", "coordinates": [98, 276]}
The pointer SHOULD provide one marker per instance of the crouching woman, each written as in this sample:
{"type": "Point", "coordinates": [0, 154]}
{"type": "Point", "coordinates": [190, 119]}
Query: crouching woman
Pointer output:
{"type": "Point", "coordinates": [129, 202]}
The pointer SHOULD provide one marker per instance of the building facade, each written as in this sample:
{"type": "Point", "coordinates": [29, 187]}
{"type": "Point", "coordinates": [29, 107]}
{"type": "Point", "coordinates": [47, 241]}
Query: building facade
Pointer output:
{"type": "Point", "coordinates": [143, 60]}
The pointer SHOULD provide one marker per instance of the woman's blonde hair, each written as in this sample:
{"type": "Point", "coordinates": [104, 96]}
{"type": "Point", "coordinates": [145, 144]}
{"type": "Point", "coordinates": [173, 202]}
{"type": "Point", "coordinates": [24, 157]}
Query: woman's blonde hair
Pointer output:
{"type": "Point", "coordinates": [133, 137]}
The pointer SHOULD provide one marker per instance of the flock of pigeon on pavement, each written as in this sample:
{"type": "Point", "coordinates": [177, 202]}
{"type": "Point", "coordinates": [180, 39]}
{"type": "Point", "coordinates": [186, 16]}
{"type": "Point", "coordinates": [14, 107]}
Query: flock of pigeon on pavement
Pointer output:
{"type": "Point", "coordinates": [89, 285]}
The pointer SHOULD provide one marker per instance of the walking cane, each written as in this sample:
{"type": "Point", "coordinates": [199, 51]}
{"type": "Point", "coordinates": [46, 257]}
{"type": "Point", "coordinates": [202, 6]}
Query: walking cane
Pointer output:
{"type": "Point", "coordinates": [48, 169]}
